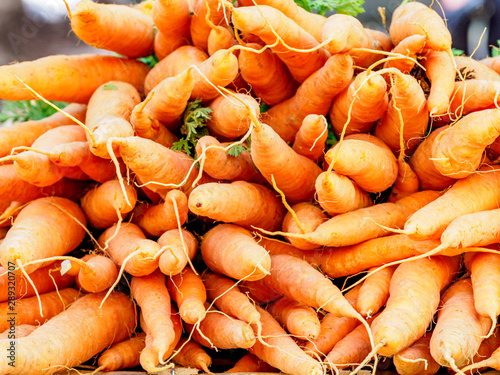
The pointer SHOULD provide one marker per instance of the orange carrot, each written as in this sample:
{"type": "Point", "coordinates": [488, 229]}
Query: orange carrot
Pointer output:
{"type": "Point", "coordinates": [84, 325]}
{"type": "Point", "coordinates": [188, 291]}
{"type": "Point", "coordinates": [440, 70]}
{"type": "Point", "coordinates": [176, 257]}
{"type": "Point", "coordinates": [61, 71]}
{"type": "Point", "coordinates": [411, 46]}
{"type": "Point", "coordinates": [99, 274]}
{"type": "Point", "coordinates": [190, 354]}
{"type": "Point", "coordinates": [105, 204]}
{"type": "Point", "coordinates": [473, 69]}
{"type": "Point", "coordinates": [26, 310]}
{"type": "Point", "coordinates": [311, 137]}
{"type": "Point", "coordinates": [152, 296]}
{"type": "Point", "coordinates": [46, 227]}
{"type": "Point", "coordinates": [416, 359]}
{"type": "Point", "coordinates": [309, 217]}
{"type": "Point", "coordinates": [155, 220]}
{"type": "Point", "coordinates": [406, 183]}
{"type": "Point", "coordinates": [258, 291]}
{"type": "Point", "coordinates": [227, 241]}
{"type": "Point", "coordinates": [259, 206]}
{"type": "Point", "coordinates": [123, 355]}
{"type": "Point", "coordinates": [492, 360]}
{"type": "Point", "coordinates": [314, 96]}
{"type": "Point", "coordinates": [404, 321]}
{"type": "Point", "coordinates": [17, 332]}
{"type": "Point", "coordinates": [25, 133]}
{"type": "Point", "coordinates": [250, 363]}
{"type": "Point", "coordinates": [472, 95]}
{"type": "Point", "coordinates": [199, 27]}
{"type": "Point", "coordinates": [374, 291]}
{"type": "Point", "coordinates": [220, 37]}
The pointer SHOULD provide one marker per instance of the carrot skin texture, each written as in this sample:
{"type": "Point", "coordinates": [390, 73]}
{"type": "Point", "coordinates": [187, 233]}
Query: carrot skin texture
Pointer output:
{"type": "Point", "coordinates": [311, 138]}
{"type": "Point", "coordinates": [440, 70]}
{"type": "Point", "coordinates": [310, 217]}
{"type": "Point", "coordinates": [100, 274]}
{"type": "Point", "coordinates": [107, 26]}
{"type": "Point", "coordinates": [406, 183]}
{"type": "Point", "coordinates": [190, 354]}
{"type": "Point", "coordinates": [419, 350]}
{"type": "Point", "coordinates": [374, 292]}
{"type": "Point", "coordinates": [84, 324]}
{"type": "Point", "coordinates": [399, 326]}
{"type": "Point", "coordinates": [60, 70]}
{"type": "Point", "coordinates": [411, 46]}
{"type": "Point", "coordinates": [123, 355]}
{"type": "Point", "coordinates": [175, 258]}
{"type": "Point", "coordinates": [199, 28]}
{"type": "Point", "coordinates": [22, 330]}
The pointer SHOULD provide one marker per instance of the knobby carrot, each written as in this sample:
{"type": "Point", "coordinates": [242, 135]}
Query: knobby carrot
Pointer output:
{"type": "Point", "coordinates": [309, 217]}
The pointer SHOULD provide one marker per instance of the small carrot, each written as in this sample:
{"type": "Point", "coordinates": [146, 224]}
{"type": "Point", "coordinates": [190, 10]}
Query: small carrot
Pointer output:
{"type": "Point", "coordinates": [411, 47]}
{"type": "Point", "coordinates": [99, 274]}
{"type": "Point", "coordinates": [200, 28]}
{"type": "Point", "coordinates": [416, 359]}
{"type": "Point", "coordinates": [374, 291]}
{"type": "Point", "coordinates": [311, 138]}
{"type": "Point", "coordinates": [310, 217]}
{"type": "Point", "coordinates": [190, 354]}
{"type": "Point", "coordinates": [124, 354]}
{"type": "Point", "coordinates": [440, 69]}
{"type": "Point", "coordinates": [181, 247]}
{"type": "Point", "coordinates": [251, 363]}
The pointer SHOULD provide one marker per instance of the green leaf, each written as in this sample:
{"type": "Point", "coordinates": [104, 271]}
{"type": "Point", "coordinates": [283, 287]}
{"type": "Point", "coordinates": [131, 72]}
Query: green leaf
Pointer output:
{"type": "Point", "coordinates": [150, 61]}
{"type": "Point", "coordinates": [25, 110]}
{"type": "Point", "coordinates": [331, 139]}
{"type": "Point", "coordinates": [264, 107]}
{"type": "Point", "coordinates": [236, 150]}
{"type": "Point", "coordinates": [194, 126]}
{"type": "Point", "coordinates": [495, 51]}
{"type": "Point", "coordinates": [349, 7]}
{"type": "Point", "coordinates": [182, 145]}
{"type": "Point", "coordinates": [457, 52]}
{"type": "Point", "coordinates": [110, 87]}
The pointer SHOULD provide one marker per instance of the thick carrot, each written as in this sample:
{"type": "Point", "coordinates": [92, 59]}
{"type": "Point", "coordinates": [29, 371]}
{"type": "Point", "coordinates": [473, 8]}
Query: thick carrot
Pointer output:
{"type": "Point", "coordinates": [451, 347]}
{"type": "Point", "coordinates": [309, 217]}
{"type": "Point", "coordinates": [251, 363]}
{"type": "Point", "coordinates": [172, 19]}
{"type": "Point", "coordinates": [17, 332]}
{"type": "Point", "coordinates": [228, 298]}
{"type": "Point", "coordinates": [406, 183]}
{"type": "Point", "coordinates": [263, 19]}
{"type": "Point", "coordinates": [108, 114]}
{"type": "Point", "coordinates": [99, 274]}
{"type": "Point", "coordinates": [411, 47]}
{"type": "Point", "coordinates": [416, 359]}
{"type": "Point", "coordinates": [121, 242]}
{"type": "Point", "coordinates": [311, 138]}
{"type": "Point", "coordinates": [259, 205]}
{"type": "Point", "coordinates": [200, 29]}
{"type": "Point", "coordinates": [458, 150]}
{"type": "Point", "coordinates": [230, 118]}
{"type": "Point", "coordinates": [281, 351]}
{"type": "Point", "coordinates": [479, 188]}
{"type": "Point", "coordinates": [152, 296]}
{"type": "Point", "coordinates": [84, 325]}
{"type": "Point", "coordinates": [267, 74]}
{"type": "Point", "coordinates": [314, 96]}
{"type": "Point", "coordinates": [155, 220]}
{"type": "Point", "coordinates": [123, 355]}
{"type": "Point", "coordinates": [174, 64]}
{"type": "Point", "coordinates": [105, 204]}
{"type": "Point", "coordinates": [61, 70]}
{"type": "Point", "coordinates": [374, 291]}
{"type": "Point", "coordinates": [176, 257]}
{"type": "Point", "coordinates": [46, 227]}
{"type": "Point", "coordinates": [188, 291]}
{"type": "Point", "coordinates": [338, 194]}
{"type": "Point", "coordinates": [414, 298]}
{"type": "Point", "coordinates": [228, 241]}
{"type": "Point", "coordinates": [360, 104]}
{"type": "Point", "coordinates": [440, 69]}
{"type": "Point", "coordinates": [190, 354]}
{"type": "Point", "coordinates": [26, 310]}
{"type": "Point", "coordinates": [416, 18]}
{"type": "Point", "coordinates": [298, 319]}
{"type": "Point", "coordinates": [25, 133]}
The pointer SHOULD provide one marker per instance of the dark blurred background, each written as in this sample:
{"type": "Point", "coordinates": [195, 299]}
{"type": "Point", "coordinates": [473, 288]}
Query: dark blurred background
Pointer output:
{"type": "Point", "coordinates": [30, 29]}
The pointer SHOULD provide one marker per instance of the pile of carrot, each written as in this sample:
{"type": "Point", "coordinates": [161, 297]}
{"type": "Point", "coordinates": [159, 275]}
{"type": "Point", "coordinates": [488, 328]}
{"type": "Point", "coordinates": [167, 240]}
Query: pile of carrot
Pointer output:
{"type": "Point", "coordinates": [317, 193]}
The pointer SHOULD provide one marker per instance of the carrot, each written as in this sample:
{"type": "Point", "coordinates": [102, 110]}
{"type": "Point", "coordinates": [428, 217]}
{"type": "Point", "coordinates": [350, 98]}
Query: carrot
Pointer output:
{"type": "Point", "coordinates": [174, 64]}
{"type": "Point", "coordinates": [258, 291]}
{"type": "Point", "coordinates": [333, 329]}
{"type": "Point", "coordinates": [27, 312]}
{"type": "Point", "coordinates": [229, 118]}
{"type": "Point", "coordinates": [84, 325]}
{"type": "Point", "coordinates": [122, 355]}
{"type": "Point", "coordinates": [338, 194]}
{"type": "Point", "coordinates": [220, 37]}
{"type": "Point", "coordinates": [474, 133]}
{"type": "Point", "coordinates": [487, 348]}
{"type": "Point", "coordinates": [492, 361]}
{"type": "Point", "coordinates": [311, 138]}
{"type": "Point", "coordinates": [176, 258]}
{"type": "Point", "coordinates": [420, 162]}
{"type": "Point", "coordinates": [416, 18]}
{"type": "Point", "coordinates": [222, 332]}
{"type": "Point", "coordinates": [444, 209]}
{"type": "Point", "coordinates": [406, 116]}
{"type": "Point", "coordinates": [360, 104]}
{"type": "Point", "coordinates": [314, 96]}
{"type": "Point", "coordinates": [473, 95]}
{"type": "Point", "coordinates": [25, 133]}
{"type": "Point", "coordinates": [228, 241]}
{"type": "Point", "coordinates": [411, 47]}
{"type": "Point", "coordinates": [155, 220]}
{"type": "Point", "coordinates": [200, 27]}
{"type": "Point", "coordinates": [406, 183]}
{"type": "Point", "coordinates": [221, 165]}
{"type": "Point", "coordinates": [449, 346]}
{"type": "Point", "coordinates": [267, 74]}
{"type": "Point", "coordinates": [404, 321]}
{"type": "Point", "coordinates": [374, 291]}
{"type": "Point", "coordinates": [190, 354]}
{"type": "Point", "coordinates": [105, 204]}
{"type": "Point", "coordinates": [294, 174]}
{"type": "Point", "coordinates": [188, 291]}
{"type": "Point", "coordinates": [263, 20]}
{"type": "Point", "coordinates": [228, 298]}
{"type": "Point", "coordinates": [259, 206]}
{"type": "Point", "coordinates": [46, 227]}
{"type": "Point", "coordinates": [108, 114]}
{"type": "Point", "coordinates": [19, 331]}
{"type": "Point", "coordinates": [281, 351]}
{"type": "Point", "coordinates": [99, 274]}
{"type": "Point", "coordinates": [440, 69]}
{"type": "Point", "coordinates": [251, 363]}
{"type": "Point", "coordinates": [61, 70]}
{"type": "Point", "coordinates": [309, 217]}
{"type": "Point", "coordinates": [152, 296]}
{"type": "Point", "coordinates": [172, 19]}
{"type": "Point", "coordinates": [416, 359]}
{"type": "Point", "coordinates": [473, 69]}
{"type": "Point", "coordinates": [298, 319]}
{"type": "Point", "coordinates": [127, 239]}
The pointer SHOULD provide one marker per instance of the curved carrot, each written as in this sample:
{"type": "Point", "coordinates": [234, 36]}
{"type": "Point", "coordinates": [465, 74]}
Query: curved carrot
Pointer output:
{"type": "Point", "coordinates": [123, 355]}
{"type": "Point", "coordinates": [311, 138]}
{"type": "Point", "coordinates": [440, 69]}
{"type": "Point", "coordinates": [416, 359]}
{"type": "Point", "coordinates": [310, 217]}
{"type": "Point", "coordinates": [190, 354]}
{"type": "Point", "coordinates": [181, 248]}
{"type": "Point", "coordinates": [411, 47]}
